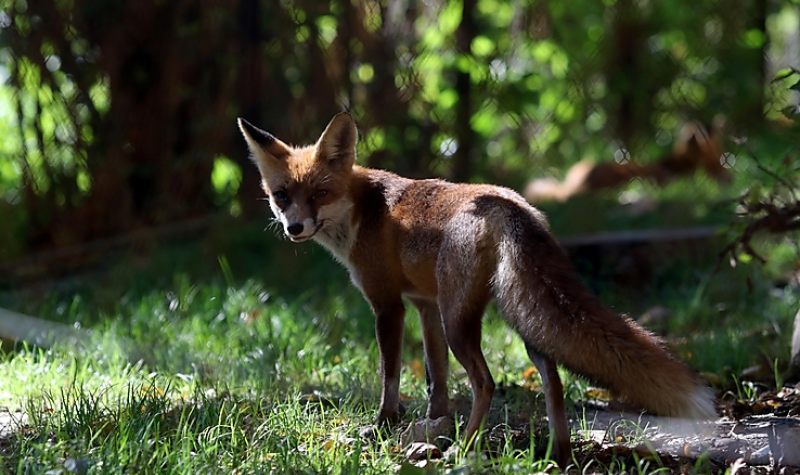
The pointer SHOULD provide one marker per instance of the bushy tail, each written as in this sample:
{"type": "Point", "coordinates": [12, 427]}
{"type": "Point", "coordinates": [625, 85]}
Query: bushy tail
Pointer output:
{"type": "Point", "coordinates": [543, 299]}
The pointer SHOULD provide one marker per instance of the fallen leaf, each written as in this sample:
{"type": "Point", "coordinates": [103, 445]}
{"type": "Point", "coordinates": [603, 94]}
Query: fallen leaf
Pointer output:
{"type": "Point", "coordinates": [423, 451]}
{"type": "Point", "coordinates": [530, 372]}
{"type": "Point", "coordinates": [598, 393]}
{"type": "Point", "coordinates": [417, 368]}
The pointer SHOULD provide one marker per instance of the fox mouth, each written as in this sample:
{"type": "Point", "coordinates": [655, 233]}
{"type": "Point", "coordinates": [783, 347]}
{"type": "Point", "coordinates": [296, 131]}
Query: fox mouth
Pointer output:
{"type": "Point", "coordinates": [299, 239]}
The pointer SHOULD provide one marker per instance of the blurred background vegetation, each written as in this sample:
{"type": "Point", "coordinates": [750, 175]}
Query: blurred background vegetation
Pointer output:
{"type": "Point", "coordinates": [117, 121]}
{"type": "Point", "coordinates": [120, 115]}
{"type": "Point", "coordinates": [128, 204]}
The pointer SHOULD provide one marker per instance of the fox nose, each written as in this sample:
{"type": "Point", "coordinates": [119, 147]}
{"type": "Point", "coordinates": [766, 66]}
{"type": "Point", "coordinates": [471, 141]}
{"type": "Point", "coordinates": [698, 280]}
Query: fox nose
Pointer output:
{"type": "Point", "coordinates": [295, 229]}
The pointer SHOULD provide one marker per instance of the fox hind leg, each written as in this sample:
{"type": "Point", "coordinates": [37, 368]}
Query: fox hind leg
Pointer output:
{"type": "Point", "coordinates": [464, 338]}
{"type": "Point", "coordinates": [462, 302]}
{"type": "Point", "coordinates": [554, 401]}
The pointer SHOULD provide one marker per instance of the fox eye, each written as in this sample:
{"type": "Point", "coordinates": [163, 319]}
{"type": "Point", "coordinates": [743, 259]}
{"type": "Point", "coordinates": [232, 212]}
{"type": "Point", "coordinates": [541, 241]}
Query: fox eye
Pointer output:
{"type": "Point", "coordinates": [319, 194]}
{"type": "Point", "coordinates": [281, 196]}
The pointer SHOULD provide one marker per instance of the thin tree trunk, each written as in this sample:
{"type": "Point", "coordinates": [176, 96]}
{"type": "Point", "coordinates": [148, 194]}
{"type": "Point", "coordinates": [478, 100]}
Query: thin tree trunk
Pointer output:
{"type": "Point", "coordinates": [760, 63]}
{"type": "Point", "coordinates": [251, 84]}
{"type": "Point", "coordinates": [462, 165]}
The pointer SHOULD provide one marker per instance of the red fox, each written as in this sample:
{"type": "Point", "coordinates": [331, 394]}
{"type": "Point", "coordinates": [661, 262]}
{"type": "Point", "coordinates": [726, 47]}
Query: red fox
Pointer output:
{"type": "Point", "coordinates": [447, 249]}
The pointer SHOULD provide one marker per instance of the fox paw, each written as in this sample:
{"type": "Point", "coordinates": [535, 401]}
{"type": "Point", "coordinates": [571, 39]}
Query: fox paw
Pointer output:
{"type": "Point", "coordinates": [387, 417]}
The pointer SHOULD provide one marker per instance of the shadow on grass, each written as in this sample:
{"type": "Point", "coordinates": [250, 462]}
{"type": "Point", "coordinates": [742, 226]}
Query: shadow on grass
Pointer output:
{"type": "Point", "coordinates": [273, 322]}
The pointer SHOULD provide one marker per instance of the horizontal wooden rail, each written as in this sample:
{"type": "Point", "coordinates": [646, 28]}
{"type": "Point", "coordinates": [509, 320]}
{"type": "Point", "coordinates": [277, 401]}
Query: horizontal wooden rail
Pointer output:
{"type": "Point", "coordinates": [16, 327]}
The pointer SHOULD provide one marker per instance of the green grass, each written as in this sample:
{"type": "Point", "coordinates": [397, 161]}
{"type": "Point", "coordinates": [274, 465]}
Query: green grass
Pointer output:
{"type": "Point", "coordinates": [223, 377]}
{"type": "Point", "coordinates": [239, 353]}
{"type": "Point", "coordinates": [218, 378]}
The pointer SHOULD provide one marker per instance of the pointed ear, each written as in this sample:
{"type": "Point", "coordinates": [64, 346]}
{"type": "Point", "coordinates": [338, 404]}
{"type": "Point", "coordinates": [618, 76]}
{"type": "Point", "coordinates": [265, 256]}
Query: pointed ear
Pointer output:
{"type": "Point", "coordinates": [267, 151]}
{"type": "Point", "coordinates": [337, 145]}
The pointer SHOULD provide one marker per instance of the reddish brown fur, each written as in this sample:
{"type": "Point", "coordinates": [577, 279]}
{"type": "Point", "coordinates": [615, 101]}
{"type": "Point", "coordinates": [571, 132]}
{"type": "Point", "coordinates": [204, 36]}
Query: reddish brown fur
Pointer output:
{"type": "Point", "coordinates": [449, 248]}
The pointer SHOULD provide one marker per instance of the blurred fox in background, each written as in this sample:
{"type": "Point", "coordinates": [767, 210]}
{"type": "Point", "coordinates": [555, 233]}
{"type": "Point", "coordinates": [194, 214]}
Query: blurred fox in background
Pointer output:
{"type": "Point", "coordinates": [695, 148]}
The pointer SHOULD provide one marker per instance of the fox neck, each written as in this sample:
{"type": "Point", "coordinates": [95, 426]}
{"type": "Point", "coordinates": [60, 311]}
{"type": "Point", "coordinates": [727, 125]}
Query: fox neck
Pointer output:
{"type": "Point", "coordinates": [338, 236]}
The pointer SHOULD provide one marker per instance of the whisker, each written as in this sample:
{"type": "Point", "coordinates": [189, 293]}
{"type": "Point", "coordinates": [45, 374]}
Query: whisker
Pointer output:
{"type": "Point", "coordinates": [276, 227]}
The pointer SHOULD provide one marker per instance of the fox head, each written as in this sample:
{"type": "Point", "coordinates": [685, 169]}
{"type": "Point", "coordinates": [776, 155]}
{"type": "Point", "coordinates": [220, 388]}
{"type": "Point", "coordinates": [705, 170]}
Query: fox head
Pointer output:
{"type": "Point", "coordinates": [307, 186]}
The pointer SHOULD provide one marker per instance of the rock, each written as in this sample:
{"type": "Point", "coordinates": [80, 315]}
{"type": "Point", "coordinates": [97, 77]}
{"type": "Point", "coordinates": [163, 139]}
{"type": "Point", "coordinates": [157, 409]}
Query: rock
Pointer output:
{"type": "Point", "coordinates": [760, 456]}
{"type": "Point", "coordinates": [783, 441]}
{"type": "Point", "coordinates": [422, 451]}
{"type": "Point", "coordinates": [725, 451]}
{"type": "Point", "coordinates": [10, 422]}
{"type": "Point", "coordinates": [596, 436]}
{"type": "Point", "coordinates": [427, 430]}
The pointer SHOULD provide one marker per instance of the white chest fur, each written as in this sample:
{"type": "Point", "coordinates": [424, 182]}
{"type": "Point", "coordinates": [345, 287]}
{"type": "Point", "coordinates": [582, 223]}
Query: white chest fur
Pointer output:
{"type": "Point", "coordinates": [337, 238]}
{"type": "Point", "coordinates": [339, 233]}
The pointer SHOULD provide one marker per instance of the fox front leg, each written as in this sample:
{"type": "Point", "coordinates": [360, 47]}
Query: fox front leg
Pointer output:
{"type": "Point", "coordinates": [389, 332]}
{"type": "Point", "coordinates": [435, 357]}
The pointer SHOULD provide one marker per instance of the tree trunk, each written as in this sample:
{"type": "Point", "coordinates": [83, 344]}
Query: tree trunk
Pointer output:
{"type": "Point", "coordinates": [462, 165]}
{"type": "Point", "coordinates": [251, 85]}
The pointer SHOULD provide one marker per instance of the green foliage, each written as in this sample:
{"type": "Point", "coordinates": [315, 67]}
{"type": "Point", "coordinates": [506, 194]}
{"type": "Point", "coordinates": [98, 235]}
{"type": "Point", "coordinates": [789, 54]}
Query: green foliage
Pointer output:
{"type": "Point", "coordinates": [226, 178]}
{"type": "Point", "coordinates": [549, 84]}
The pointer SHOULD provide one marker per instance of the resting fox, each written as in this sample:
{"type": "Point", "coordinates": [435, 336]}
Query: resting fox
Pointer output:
{"type": "Point", "coordinates": [447, 249]}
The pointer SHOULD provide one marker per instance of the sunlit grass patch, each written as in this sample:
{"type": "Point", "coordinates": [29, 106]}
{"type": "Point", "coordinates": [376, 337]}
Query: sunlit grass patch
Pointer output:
{"type": "Point", "coordinates": [200, 378]}
{"type": "Point", "coordinates": [150, 430]}
{"type": "Point", "coordinates": [221, 378]}
{"type": "Point", "coordinates": [279, 372]}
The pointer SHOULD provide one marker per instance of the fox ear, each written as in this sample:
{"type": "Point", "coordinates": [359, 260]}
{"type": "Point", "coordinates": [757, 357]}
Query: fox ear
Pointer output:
{"type": "Point", "coordinates": [337, 145]}
{"type": "Point", "coordinates": [267, 151]}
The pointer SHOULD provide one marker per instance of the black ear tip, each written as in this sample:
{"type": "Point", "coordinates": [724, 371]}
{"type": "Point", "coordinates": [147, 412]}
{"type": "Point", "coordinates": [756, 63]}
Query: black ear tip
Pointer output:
{"type": "Point", "coordinates": [245, 125]}
{"type": "Point", "coordinates": [262, 137]}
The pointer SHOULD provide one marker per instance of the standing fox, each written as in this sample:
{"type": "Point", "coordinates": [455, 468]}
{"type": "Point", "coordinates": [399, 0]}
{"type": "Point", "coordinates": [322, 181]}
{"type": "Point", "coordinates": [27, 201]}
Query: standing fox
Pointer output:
{"type": "Point", "coordinates": [448, 248]}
